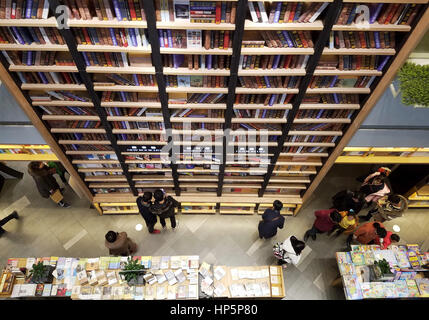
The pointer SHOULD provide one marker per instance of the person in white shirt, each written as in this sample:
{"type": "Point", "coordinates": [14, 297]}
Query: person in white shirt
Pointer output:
{"type": "Point", "coordinates": [291, 251]}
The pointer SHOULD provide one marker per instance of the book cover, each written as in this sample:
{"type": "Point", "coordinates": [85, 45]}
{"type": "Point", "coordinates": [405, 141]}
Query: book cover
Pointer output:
{"type": "Point", "coordinates": [181, 10]}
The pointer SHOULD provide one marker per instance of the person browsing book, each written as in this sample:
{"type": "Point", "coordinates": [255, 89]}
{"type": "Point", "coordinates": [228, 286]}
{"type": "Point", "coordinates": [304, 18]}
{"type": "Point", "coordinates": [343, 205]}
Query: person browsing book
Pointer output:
{"type": "Point", "coordinates": [163, 207]}
{"type": "Point", "coordinates": [367, 234]}
{"type": "Point", "coordinates": [143, 203]}
{"type": "Point", "coordinates": [119, 244]}
{"type": "Point", "coordinates": [271, 220]}
{"type": "Point", "coordinates": [325, 221]}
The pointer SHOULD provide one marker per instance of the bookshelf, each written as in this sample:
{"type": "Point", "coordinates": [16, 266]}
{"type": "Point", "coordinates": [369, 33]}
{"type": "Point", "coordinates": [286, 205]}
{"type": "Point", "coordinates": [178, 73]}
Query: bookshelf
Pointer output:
{"type": "Point", "coordinates": [294, 92]}
{"type": "Point", "coordinates": [16, 152]}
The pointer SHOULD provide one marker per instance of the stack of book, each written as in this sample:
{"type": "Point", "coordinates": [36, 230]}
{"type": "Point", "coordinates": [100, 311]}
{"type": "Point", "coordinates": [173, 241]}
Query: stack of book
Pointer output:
{"type": "Point", "coordinates": [29, 35]}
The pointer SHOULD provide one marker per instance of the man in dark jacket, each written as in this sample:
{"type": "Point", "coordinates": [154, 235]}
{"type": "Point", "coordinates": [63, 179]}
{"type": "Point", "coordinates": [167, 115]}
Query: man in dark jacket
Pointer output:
{"type": "Point", "coordinates": [347, 199]}
{"type": "Point", "coordinates": [45, 181]}
{"type": "Point", "coordinates": [271, 220]}
{"type": "Point", "coordinates": [325, 221]}
{"type": "Point", "coordinates": [164, 208]}
{"type": "Point", "coordinates": [144, 203]}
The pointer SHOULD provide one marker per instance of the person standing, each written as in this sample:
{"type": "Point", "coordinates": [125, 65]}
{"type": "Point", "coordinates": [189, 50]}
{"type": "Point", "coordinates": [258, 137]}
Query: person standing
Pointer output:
{"type": "Point", "coordinates": [119, 244]}
{"type": "Point", "coordinates": [387, 240]}
{"type": "Point", "coordinates": [394, 207]}
{"type": "Point", "coordinates": [143, 203]}
{"type": "Point", "coordinates": [289, 251]}
{"type": "Point", "coordinates": [59, 169]}
{"type": "Point", "coordinates": [164, 208]}
{"type": "Point", "coordinates": [348, 222]}
{"type": "Point", "coordinates": [13, 215]}
{"type": "Point", "coordinates": [46, 183]}
{"type": "Point", "coordinates": [347, 199]}
{"type": "Point", "coordinates": [271, 220]}
{"type": "Point", "coordinates": [367, 233]}
{"type": "Point", "coordinates": [325, 221]}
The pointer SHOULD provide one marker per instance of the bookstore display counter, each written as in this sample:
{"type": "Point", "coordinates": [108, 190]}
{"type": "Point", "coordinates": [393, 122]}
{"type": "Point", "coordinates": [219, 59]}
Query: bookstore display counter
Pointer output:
{"type": "Point", "coordinates": [164, 277]}
{"type": "Point", "coordinates": [15, 152]}
{"type": "Point", "coordinates": [361, 280]}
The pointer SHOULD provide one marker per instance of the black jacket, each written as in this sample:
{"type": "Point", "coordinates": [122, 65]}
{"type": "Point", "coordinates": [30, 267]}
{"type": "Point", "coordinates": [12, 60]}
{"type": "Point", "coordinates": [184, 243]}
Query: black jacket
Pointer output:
{"type": "Point", "coordinates": [166, 209]}
{"type": "Point", "coordinates": [343, 201]}
{"type": "Point", "coordinates": [271, 220]}
{"type": "Point", "coordinates": [148, 216]}
{"type": "Point", "coordinates": [44, 181]}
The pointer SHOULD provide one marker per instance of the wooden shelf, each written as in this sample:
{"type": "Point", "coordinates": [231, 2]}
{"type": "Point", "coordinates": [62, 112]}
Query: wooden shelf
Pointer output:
{"type": "Point", "coordinates": [204, 106]}
{"type": "Point", "coordinates": [285, 186]}
{"type": "Point", "coordinates": [104, 48]}
{"type": "Point", "coordinates": [138, 131]}
{"type": "Point", "coordinates": [350, 106]}
{"type": "Point", "coordinates": [154, 185]}
{"type": "Point", "coordinates": [33, 47]}
{"type": "Point", "coordinates": [189, 119]}
{"type": "Point", "coordinates": [196, 51]}
{"type": "Point", "coordinates": [84, 142]}
{"type": "Point", "coordinates": [63, 103]}
{"type": "Point", "coordinates": [99, 170]}
{"type": "Point", "coordinates": [309, 144]}
{"type": "Point", "coordinates": [270, 51]}
{"type": "Point", "coordinates": [372, 27]}
{"type": "Point", "coordinates": [193, 72]}
{"type": "Point", "coordinates": [339, 90]}
{"type": "Point", "coordinates": [28, 157]}
{"type": "Point", "coordinates": [69, 118]}
{"type": "Point", "coordinates": [126, 88]}
{"type": "Point", "coordinates": [265, 72]}
{"type": "Point", "coordinates": [297, 179]}
{"type": "Point", "coordinates": [196, 90]}
{"type": "Point", "coordinates": [244, 144]}
{"type": "Point", "coordinates": [185, 25]}
{"type": "Point", "coordinates": [149, 170]}
{"type": "Point", "coordinates": [240, 90]}
{"type": "Point", "coordinates": [250, 25]}
{"type": "Point", "coordinates": [198, 178]}
{"type": "Point", "coordinates": [359, 51]}
{"type": "Point", "coordinates": [137, 119]}
{"type": "Point", "coordinates": [361, 72]}
{"type": "Point", "coordinates": [322, 120]}
{"type": "Point", "coordinates": [382, 159]}
{"type": "Point", "coordinates": [50, 22]}
{"type": "Point", "coordinates": [141, 143]}
{"type": "Point", "coordinates": [70, 152]}
{"type": "Point", "coordinates": [34, 68]}
{"type": "Point", "coordinates": [261, 106]}
{"type": "Point", "coordinates": [123, 70]}
{"type": "Point", "coordinates": [49, 87]}
{"type": "Point", "coordinates": [115, 23]}
{"type": "Point", "coordinates": [77, 130]}
{"type": "Point", "coordinates": [387, 1]}
{"type": "Point", "coordinates": [130, 104]}
{"type": "Point", "coordinates": [135, 211]}
{"type": "Point", "coordinates": [315, 133]}
{"type": "Point", "coordinates": [106, 178]}
{"type": "Point", "coordinates": [258, 120]}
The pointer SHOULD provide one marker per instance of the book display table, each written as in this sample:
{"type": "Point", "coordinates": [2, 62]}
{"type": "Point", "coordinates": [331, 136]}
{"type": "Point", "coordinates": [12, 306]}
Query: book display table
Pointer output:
{"type": "Point", "coordinates": [164, 277]}
{"type": "Point", "coordinates": [361, 279]}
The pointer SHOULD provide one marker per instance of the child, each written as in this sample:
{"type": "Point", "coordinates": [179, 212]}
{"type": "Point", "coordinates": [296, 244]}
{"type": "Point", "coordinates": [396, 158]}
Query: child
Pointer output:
{"type": "Point", "coordinates": [346, 222]}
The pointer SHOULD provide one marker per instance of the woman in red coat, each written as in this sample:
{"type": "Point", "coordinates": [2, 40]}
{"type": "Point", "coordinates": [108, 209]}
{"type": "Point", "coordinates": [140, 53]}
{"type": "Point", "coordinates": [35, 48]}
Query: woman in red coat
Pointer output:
{"type": "Point", "coordinates": [367, 233]}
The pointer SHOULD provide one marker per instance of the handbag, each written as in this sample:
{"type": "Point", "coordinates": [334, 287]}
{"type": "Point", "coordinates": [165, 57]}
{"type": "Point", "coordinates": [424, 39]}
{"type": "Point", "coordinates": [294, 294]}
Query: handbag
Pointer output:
{"type": "Point", "coordinates": [56, 196]}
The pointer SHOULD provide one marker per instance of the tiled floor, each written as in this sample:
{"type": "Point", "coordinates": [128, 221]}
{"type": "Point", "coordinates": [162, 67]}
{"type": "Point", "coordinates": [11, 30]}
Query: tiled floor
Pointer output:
{"type": "Point", "coordinates": [46, 230]}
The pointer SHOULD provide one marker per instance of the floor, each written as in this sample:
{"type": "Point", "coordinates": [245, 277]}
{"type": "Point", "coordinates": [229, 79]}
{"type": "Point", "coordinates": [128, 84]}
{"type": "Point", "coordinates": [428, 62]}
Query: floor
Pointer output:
{"type": "Point", "coordinates": [46, 230]}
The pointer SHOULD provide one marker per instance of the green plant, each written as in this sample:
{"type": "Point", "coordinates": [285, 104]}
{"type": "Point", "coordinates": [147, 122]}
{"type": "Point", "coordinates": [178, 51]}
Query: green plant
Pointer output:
{"type": "Point", "coordinates": [38, 272]}
{"type": "Point", "coordinates": [414, 84]}
{"type": "Point", "coordinates": [384, 266]}
{"type": "Point", "coordinates": [132, 270]}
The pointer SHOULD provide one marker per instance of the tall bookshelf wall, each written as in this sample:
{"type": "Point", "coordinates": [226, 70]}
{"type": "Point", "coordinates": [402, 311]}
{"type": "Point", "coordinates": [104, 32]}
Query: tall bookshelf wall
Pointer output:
{"type": "Point", "coordinates": [296, 116]}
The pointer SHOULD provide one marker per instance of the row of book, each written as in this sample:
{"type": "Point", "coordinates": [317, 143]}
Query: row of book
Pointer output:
{"type": "Point", "coordinates": [195, 39]}
{"type": "Point", "coordinates": [136, 112]}
{"type": "Point", "coordinates": [68, 110]}
{"type": "Point", "coordinates": [273, 62]}
{"type": "Point", "coordinates": [270, 82]}
{"type": "Point", "coordinates": [82, 136]}
{"type": "Point", "coordinates": [83, 147]}
{"type": "Point", "coordinates": [335, 81]}
{"type": "Point", "coordinates": [316, 127]}
{"type": "Point", "coordinates": [137, 125]}
{"type": "Point", "coordinates": [383, 13]}
{"type": "Point", "coordinates": [352, 62]}
{"type": "Point", "coordinates": [24, 151]}
{"type": "Point", "coordinates": [124, 96]}
{"type": "Point", "coordinates": [24, 9]}
{"type": "Point", "coordinates": [37, 58]}
{"type": "Point", "coordinates": [195, 11]}
{"type": "Point", "coordinates": [324, 113]}
{"type": "Point", "coordinates": [310, 139]}
{"type": "Point", "coordinates": [197, 126]}
{"type": "Point", "coordinates": [333, 98]}
{"type": "Point", "coordinates": [122, 37]}
{"type": "Point", "coordinates": [58, 95]}
{"type": "Point", "coordinates": [131, 80]}
{"type": "Point", "coordinates": [50, 77]}
{"type": "Point", "coordinates": [141, 137]}
{"type": "Point", "coordinates": [260, 113]}
{"type": "Point", "coordinates": [210, 113]}
{"type": "Point", "coordinates": [87, 124]}
{"type": "Point", "coordinates": [255, 126]}
{"type": "Point", "coordinates": [208, 98]}
{"type": "Point", "coordinates": [106, 59]}
{"type": "Point", "coordinates": [111, 190]}
{"type": "Point", "coordinates": [302, 149]}
{"type": "Point", "coordinates": [264, 99]}
{"type": "Point", "coordinates": [196, 62]}
{"type": "Point", "coordinates": [362, 39]}
{"type": "Point", "coordinates": [122, 10]}
{"type": "Point", "coordinates": [29, 35]}
{"type": "Point", "coordinates": [197, 81]}
{"type": "Point", "coordinates": [285, 12]}
{"type": "Point", "coordinates": [287, 39]}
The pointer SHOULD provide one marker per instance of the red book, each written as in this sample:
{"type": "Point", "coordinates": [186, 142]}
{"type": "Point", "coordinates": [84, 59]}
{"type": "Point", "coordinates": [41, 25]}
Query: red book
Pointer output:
{"type": "Point", "coordinates": [132, 10]}
{"type": "Point", "coordinates": [287, 61]}
{"type": "Point", "coordinates": [391, 13]}
{"type": "Point", "coordinates": [123, 37]}
{"type": "Point", "coordinates": [226, 40]}
{"type": "Point", "coordinates": [67, 77]}
{"type": "Point", "coordinates": [218, 11]}
{"type": "Point", "coordinates": [107, 56]}
{"type": "Point", "coordinates": [292, 12]}
{"type": "Point", "coordinates": [87, 38]}
{"type": "Point", "coordinates": [358, 62]}
{"type": "Point", "coordinates": [303, 39]}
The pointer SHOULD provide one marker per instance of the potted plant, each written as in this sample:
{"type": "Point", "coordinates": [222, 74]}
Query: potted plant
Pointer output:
{"type": "Point", "coordinates": [133, 272]}
{"type": "Point", "coordinates": [414, 84]}
{"type": "Point", "coordinates": [41, 273]}
{"type": "Point", "coordinates": [382, 270]}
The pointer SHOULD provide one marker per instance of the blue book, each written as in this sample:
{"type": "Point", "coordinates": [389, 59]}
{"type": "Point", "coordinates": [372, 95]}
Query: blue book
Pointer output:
{"type": "Point", "coordinates": [297, 11]}
{"type": "Point", "coordinates": [319, 113]}
{"type": "Point", "coordinates": [333, 81]}
{"type": "Point", "coordinates": [43, 77]}
{"type": "Point", "coordinates": [26, 35]}
{"type": "Point", "coordinates": [86, 124]}
{"type": "Point", "coordinates": [95, 36]}
{"type": "Point", "coordinates": [218, 97]}
{"type": "Point", "coordinates": [117, 10]}
{"type": "Point", "coordinates": [29, 58]}
{"type": "Point", "coordinates": [209, 61]}
{"type": "Point", "coordinates": [288, 39]}
{"type": "Point", "coordinates": [376, 11]}
{"type": "Point", "coordinates": [85, 57]}
{"type": "Point", "coordinates": [223, 12]}
{"type": "Point", "coordinates": [124, 125]}
{"type": "Point", "coordinates": [272, 99]}
{"type": "Point", "coordinates": [276, 61]}
{"type": "Point", "coordinates": [123, 97]}
{"type": "Point", "coordinates": [277, 13]}
{"type": "Point", "coordinates": [17, 35]}
{"type": "Point", "coordinates": [336, 98]}
{"type": "Point", "coordinates": [267, 81]}
{"type": "Point", "coordinates": [161, 38]}
{"type": "Point", "coordinates": [352, 15]}
{"type": "Point", "coordinates": [383, 63]}
{"type": "Point", "coordinates": [170, 38]}
{"type": "Point", "coordinates": [94, 57]}
{"type": "Point", "coordinates": [76, 110]}
{"type": "Point", "coordinates": [28, 9]}
{"type": "Point", "coordinates": [123, 10]}
{"type": "Point", "coordinates": [78, 136]}
{"type": "Point", "coordinates": [202, 8]}
{"type": "Point", "coordinates": [265, 111]}
{"type": "Point", "coordinates": [124, 137]}
{"type": "Point", "coordinates": [112, 35]}
{"type": "Point", "coordinates": [133, 37]}
{"type": "Point", "coordinates": [33, 35]}
{"type": "Point", "coordinates": [377, 39]}
{"type": "Point", "coordinates": [136, 80]}
{"type": "Point", "coordinates": [204, 97]}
